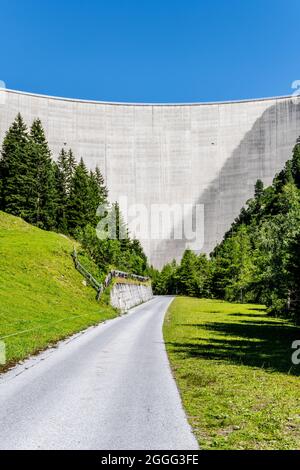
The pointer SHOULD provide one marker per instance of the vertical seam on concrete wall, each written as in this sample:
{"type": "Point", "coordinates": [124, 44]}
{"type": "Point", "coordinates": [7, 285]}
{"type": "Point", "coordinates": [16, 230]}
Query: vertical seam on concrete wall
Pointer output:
{"type": "Point", "coordinates": [105, 147]}
{"type": "Point", "coordinates": [134, 157]}
{"type": "Point", "coordinates": [276, 131]}
{"type": "Point", "coordinates": [219, 179]}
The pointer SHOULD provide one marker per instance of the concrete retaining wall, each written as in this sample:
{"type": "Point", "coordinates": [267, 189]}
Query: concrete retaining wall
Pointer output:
{"type": "Point", "coordinates": [126, 296]}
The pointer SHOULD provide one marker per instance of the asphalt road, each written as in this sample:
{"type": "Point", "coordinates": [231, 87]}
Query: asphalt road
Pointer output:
{"type": "Point", "coordinates": [108, 388]}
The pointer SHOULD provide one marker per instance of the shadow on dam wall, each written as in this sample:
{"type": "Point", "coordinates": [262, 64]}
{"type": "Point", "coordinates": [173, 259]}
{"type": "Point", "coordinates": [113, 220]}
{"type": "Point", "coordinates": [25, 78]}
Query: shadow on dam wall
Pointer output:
{"type": "Point", "coordinates": [261, 153]}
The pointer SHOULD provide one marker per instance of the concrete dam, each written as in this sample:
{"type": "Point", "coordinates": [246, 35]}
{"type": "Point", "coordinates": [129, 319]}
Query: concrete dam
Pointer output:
{"type": "Point", "coordinates": [206, 155]}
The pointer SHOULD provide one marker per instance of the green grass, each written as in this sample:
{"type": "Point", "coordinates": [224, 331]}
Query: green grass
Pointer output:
{"type": "Point", "coordinates": [122, 280]}
{"type": "Point", "coordinates": [233, 367]}
{"type": "Point", "coordinates": [40, 290]}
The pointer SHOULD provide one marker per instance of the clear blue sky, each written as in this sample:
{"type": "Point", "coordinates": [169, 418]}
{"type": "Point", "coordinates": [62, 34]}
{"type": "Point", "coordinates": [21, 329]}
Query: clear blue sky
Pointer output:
{"type": "Point", "coordinates": [151, 50]}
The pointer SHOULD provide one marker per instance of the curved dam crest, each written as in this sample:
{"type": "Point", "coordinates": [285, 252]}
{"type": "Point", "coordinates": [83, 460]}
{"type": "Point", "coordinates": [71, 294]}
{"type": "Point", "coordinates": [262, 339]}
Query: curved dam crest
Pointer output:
{"type": "Point", "coordinates": [201, 153]}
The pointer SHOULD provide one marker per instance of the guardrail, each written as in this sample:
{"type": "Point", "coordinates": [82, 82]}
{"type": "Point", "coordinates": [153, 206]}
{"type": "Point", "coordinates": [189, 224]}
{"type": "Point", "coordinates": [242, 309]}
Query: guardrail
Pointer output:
{"type": "Point", "coordinates": [109, 278]}
{"type": "Point", "coordinates": [90, 279]}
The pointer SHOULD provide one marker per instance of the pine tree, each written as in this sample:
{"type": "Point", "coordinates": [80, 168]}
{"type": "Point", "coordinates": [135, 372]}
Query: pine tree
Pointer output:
{"type": "Point", "coordinates": [289, 172]}
{"type": "Point", "coordinates": [94, 199]}
{"type": "Point", "coordinates": [78, 210]}
{"type": "Point", "coordinates": [62, 189]}
{"type": "Point", "coordinates": [15, 170]}
{"type": "Point", "coordinates": [66, 166]}
{"type": "Point", "coordinates": [138, 259]}
{"type": "Point", "coordinates": [98, 194]}
{"type": "Point", "coordinates": [254, 208]}
{"type": "Point", "coordinates": [70, 169]}
{"type": "Point", "coordinates": [62, 167]}
{"type": "Point", "coordinates": [42, 202]}
{"type": "Point", "coordinates": [280, 180]}
{"type": "Point", "coordinates": [122, 233]}
{"type": "Point", "coordinates": [258, 189]}
{"type": "Point", "coordinates": [296, 163]}
{"type": "Point", "coordinates": [187, 274]}
{"type": "Point", "coordinates": [103, 192]}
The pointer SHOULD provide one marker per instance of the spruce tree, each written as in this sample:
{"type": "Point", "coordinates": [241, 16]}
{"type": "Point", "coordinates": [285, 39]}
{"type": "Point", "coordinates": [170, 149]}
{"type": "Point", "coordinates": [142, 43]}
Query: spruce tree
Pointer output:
{"type": "Point", "coordinates": [62, 189]}
{"type": "Point", "coordinates": [258, 195]}
{"type": "Point", "coordinates": [102, 189]}
{"type": "Point", "coordinates": [42, 201]}
{"type": "Point", "coordinates": [296, 163]}
{"type": "Point", "coordinates": [98, 194]}
{"type": "Point", "coordinates": [187, 274]}
{"type": "Point", "coordinates": [258, 189]}
{"type": "Point", "coordinates": [62, 167]}
{"type": "Point", "coordinates": [66, 165]}
{"type": "Point", "coordinates": [94, 200]}
{"type": "Point", "coordinates": [15, 169]}
{"type": "Point", "coordinates": [70, 169]}
{"type": "Point", "coordinates": [122, 233]}
{"type": "Point", "coordinates": [78, 210]}
{"type": "Point", "coordinates": [289, 176]}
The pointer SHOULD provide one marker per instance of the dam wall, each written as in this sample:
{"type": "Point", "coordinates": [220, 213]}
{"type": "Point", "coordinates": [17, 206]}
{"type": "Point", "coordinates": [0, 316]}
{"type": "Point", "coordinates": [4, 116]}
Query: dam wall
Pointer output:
{"type": "Point", "coordinates": [207, 154]}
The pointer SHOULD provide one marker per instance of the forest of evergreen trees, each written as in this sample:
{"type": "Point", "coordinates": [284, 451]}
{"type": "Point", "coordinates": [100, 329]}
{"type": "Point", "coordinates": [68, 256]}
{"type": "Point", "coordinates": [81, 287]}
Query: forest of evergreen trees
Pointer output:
{"type": "Point", "coordinates": [259, 258]}
{"type": "Point", "coordinates": [62, 196]}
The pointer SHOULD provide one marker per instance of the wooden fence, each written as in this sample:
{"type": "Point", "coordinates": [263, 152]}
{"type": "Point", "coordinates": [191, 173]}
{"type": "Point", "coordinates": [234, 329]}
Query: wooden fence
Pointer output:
{"type": "Point", "coordinates": [109, 278]}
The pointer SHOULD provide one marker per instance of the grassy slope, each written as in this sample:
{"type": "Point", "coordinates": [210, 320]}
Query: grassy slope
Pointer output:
{"type": "Point", "coordinates": [40, 289]}
{"type": "Point", "coordinates": [234, 371]}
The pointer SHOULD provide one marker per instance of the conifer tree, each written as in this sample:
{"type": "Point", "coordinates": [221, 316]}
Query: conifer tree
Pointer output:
{"type": "Point", "coordinates": [94, 199]}
{"type": "Point", "coordinates": [296, 163]}
{"type": "Point", "coordinates": [78, 211]}
{"type": "Point", "coordinates": [102, 189]}
{"type": "Point", "coordinates": [15, 170]}
{"type": "Point", "coordinates": [70, 169]}
{"type": "Point", "coordinates": [42, 201]}
{"type": "Point", "coordinates": [187, 274]}
{"type": "Point", "coordinates": [61, 171]}
{"type": "Point", "coordinates": [98, 194]}
{"type": "Point", "coordinates": [289, 172]}
{"type": "Point", "coordinates": [122, 233]}
{"type": "Point", "coordinates": [258, 189]}
{"type": "Point", "coordinates": [62, 167]}
{"type": "Point", "coordinates": [66, 165]}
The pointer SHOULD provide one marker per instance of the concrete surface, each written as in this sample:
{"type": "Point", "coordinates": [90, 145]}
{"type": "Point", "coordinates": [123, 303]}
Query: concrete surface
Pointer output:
{"type": "Point", "coordinates": [202, 153]}
{"type": "Point", "coordinates": [125, 296]}
{"type": "Point", "coordinates": [109, 388]}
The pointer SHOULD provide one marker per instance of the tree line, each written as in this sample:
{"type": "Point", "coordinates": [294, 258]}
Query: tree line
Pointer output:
{"type": "Point", "coordinates": [61, 196]}
{"type": "Point", "coordinates": [258, 259]}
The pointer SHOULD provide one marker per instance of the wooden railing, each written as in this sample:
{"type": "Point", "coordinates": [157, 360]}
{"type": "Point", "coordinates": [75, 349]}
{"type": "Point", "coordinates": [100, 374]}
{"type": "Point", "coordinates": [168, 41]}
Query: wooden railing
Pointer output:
{"type": "Point", "coordinates": [114, 274]}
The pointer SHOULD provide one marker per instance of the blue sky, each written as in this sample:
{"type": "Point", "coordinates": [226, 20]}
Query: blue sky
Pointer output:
{"type": "Point", "coordinates": [151, 51]}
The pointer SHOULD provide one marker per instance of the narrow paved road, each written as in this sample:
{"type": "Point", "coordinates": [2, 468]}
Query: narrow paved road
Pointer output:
{"type": "Point", "coordinates": [109, 388]}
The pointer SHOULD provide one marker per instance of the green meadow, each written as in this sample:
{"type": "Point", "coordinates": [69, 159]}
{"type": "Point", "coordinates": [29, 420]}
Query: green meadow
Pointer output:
{"type": "Point", "coordinates": [42, 297]}
{"type": "Point", "coordinates": [232, 363]}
